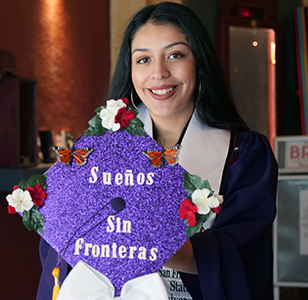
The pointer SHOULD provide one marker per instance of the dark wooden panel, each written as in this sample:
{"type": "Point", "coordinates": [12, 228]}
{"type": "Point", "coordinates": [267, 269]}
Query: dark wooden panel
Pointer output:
{"type": "Point", "coordinates": [28, 121]}
{"type": "Point", "coordinates": [9, 122]}
{"type": "Point", "coordinates": [7, 62]}
{"type": "Point", "coordinates": [18, 122]}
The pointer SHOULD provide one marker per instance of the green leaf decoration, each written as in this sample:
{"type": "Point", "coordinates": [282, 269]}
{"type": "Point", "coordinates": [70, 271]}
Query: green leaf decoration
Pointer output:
{"type": "Point", "coordinates": [33, 220]}
{"type": "Point", "coordinates": [22, 185]}
{"type": "Point", "coordinates": [26, 216]}
{"type": "Point", "coordinates": [96, 128]}
{"type": "Point", "coordinates": [135, 127]}
{"type": "Point", "coordinates": [98, 110]}
{"type": "Point", "coordinates": [191, 230]}
{"type": "Point", "coordinates": [33, 181]}
{"type": "Point", "coordinates": [193, 182]}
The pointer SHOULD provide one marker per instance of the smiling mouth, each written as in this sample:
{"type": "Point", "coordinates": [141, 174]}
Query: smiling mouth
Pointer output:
{"type": "Point", "coordinates": [163, 91]}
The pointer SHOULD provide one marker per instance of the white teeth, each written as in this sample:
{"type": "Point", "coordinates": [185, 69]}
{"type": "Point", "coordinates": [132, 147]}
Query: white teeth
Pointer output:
{"type": "Point", "coordinates": [162, 92]}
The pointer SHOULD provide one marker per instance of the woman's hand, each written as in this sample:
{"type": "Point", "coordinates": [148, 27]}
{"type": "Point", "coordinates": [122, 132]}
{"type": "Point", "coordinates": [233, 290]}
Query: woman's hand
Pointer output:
{"type": "Point", "coordinates": [183, 260]}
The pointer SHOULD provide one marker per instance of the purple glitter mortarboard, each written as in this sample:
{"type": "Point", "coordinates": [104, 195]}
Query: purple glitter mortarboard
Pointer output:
{"type": "Point", "coordinates": [117, 213]}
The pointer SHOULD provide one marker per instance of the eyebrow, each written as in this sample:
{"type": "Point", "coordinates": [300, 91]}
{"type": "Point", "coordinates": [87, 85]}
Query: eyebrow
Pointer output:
{"type": "Point", "coordinates": [166, 47]}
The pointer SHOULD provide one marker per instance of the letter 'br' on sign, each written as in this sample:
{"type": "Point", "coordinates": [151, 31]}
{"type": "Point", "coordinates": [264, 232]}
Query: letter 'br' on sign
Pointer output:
{"type": "Point", "coordinates": [292, 154]}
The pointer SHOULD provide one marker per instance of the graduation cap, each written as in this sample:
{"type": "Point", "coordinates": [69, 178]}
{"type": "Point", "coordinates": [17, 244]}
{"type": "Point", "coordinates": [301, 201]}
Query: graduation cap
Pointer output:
{"type": "Point", "coordinates": [113, 201]}
{"type": "Point", "coordinates": [116, 212]}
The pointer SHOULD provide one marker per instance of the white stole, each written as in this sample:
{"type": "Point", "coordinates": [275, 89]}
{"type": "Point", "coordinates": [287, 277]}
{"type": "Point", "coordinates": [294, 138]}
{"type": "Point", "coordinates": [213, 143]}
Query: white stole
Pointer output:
{"type": "Point", "coordinates": [203, 151]}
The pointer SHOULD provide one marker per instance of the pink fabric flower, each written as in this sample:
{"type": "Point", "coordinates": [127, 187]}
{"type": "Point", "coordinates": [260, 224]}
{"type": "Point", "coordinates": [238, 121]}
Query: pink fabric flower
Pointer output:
{"type": "Point", "coordinates": [123, 117]}
{"type": "Point", "coordinates": [37, 194]}
{"type": "Point", "coordinates": [187, 211]}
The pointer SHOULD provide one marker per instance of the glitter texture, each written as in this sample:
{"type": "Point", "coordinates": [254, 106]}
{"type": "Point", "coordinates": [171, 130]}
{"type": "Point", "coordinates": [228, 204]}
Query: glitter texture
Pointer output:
{"type": "Point", "coordinates": [135, 241]}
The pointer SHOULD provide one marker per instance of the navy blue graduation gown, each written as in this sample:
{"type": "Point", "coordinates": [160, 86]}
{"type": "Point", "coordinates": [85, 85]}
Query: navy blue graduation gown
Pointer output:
{"type": "Point", "coordinates": [234, 256]}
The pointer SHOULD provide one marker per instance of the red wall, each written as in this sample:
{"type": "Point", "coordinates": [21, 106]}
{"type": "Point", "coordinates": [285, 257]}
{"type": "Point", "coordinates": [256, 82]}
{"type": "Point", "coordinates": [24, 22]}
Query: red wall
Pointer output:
{"type": "Point", "coordinates": [63, 44]}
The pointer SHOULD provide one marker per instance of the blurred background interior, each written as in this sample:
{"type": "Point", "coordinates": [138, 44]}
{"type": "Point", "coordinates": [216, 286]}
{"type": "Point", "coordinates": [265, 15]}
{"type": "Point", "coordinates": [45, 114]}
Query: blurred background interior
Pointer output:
{"type": "Point", "coordinates": [56, 59]}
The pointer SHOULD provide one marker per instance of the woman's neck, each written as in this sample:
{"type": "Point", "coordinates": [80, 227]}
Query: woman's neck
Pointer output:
{"type": "Point", "coordinates": [167, 131]}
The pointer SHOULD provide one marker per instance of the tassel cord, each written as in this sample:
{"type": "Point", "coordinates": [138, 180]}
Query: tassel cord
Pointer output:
{"type": "Point", "coordinates": [61, 252]}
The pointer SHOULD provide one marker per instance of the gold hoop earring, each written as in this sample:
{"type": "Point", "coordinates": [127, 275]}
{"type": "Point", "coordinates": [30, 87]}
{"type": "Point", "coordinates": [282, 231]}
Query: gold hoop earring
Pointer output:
{"type": "Point", "coordinates": [199, 92]}
{"type": "Point", "coordinates": [132, 100]}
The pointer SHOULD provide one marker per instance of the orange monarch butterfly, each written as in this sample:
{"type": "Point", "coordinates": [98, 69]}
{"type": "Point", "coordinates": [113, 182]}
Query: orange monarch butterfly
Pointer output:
{"type": "Point", "coordinates": [66, 155]}
{"type": "Point", "coordinates": [158, 158]}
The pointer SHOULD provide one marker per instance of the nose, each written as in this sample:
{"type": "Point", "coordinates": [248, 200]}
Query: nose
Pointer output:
{"type": "Point", "coordinates": [160, 70]}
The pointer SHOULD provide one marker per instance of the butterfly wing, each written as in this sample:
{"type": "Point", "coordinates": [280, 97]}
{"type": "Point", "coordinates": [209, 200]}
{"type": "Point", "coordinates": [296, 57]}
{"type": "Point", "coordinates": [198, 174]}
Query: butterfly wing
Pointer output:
{"type": "Point", "coordinates": [81, 155]}
{"type": "Point", "coordinates": [64, 155]}
{"type": "Point", "coordinates": [171, 155]}
{"type": "Point", "coordinates": [155, 157]}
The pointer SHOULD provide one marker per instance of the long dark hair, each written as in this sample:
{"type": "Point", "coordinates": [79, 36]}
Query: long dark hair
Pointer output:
{"type": "Point", "coordinates": [213, 100]}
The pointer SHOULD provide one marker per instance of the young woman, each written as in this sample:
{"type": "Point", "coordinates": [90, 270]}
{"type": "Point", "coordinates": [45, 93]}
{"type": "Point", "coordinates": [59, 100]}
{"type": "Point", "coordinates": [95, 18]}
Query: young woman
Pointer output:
{"type": "Point", "coordinates": [168, 69]}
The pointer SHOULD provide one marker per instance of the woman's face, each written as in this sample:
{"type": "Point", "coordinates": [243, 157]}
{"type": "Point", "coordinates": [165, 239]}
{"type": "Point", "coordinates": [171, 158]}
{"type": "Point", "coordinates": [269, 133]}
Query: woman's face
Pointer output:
{"type": "Point", "coordinates": [163, 70]}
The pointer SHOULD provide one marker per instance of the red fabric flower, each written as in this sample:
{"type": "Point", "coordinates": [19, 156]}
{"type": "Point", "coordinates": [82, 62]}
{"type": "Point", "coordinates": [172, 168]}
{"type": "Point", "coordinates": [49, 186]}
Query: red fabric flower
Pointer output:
{"type": "Point", "coordinates": [37, 194]}
{"type": "Point", "coordinates": [11, 209]}
{"type": "Point", "coordinates": [188, 210]}
{"type": "Point", "coordinates": [217, 209]}
{"type": "Point", "coordinates": [123, 117]}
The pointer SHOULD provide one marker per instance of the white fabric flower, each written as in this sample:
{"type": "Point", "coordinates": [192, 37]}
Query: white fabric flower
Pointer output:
{"type": "Point", "coordinates": [115, 104]}
{"type": "Point", "coordinates": [219, 197]}
{"type": "Point", "coordinates": [108, 114]}
{"type": "Point", "coordinates": [20, 200]}
{"type": "Point", "coordinates": [203, 201]}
